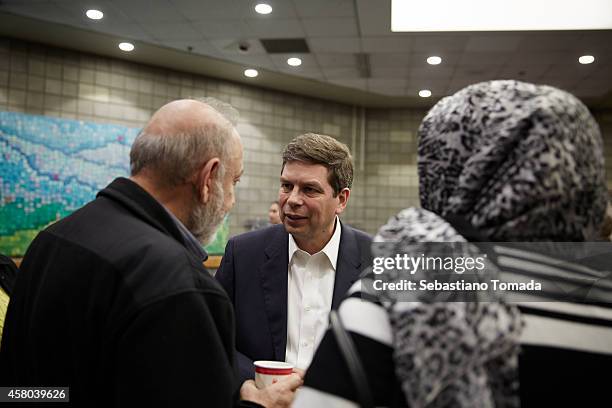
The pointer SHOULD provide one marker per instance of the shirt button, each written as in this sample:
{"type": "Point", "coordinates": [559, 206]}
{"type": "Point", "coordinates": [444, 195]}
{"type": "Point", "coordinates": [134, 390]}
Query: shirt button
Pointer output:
{"type": "Point", "coordinates": [307, 308]}
{"type": "Point", "coordinates": [305, 344]}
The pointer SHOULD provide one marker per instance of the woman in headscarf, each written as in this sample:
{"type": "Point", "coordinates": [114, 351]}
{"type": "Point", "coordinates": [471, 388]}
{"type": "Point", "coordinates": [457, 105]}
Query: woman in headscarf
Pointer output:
{"type": "Point", "coordinates": [497, 161]}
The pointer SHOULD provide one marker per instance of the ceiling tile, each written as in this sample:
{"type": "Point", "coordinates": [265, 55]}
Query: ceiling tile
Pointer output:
{"type": "Point", "coordinates": [548, 41]}
{"type": "Point", "coordinates": [280, 28]}
{"type": "Point", "coordinates": [436, 88]}
{"type": "Point", "coordinates": [338, 73]}
{"type": "Point", "coordinates": [399, 43]}
{"type": "Point", "coordinates": [231, 46]}
{"type": "Point", "coordinates": [316, 74]}
{"type": "Point", "coordinates": [330, 27]}
{"type": "Point", "coordinates": [172, 31]}
{"type": "Point", "coordinates": [359, 83]}
{"type": "Point", "coordinates": [594, 82]}
{"type": "Point", "coordinates": [449, 59]}
{"type": "Point", "coordinates": [542, 57]}
{"type": "Point", "coordinates": [112, 14]}
{"type": "Point", "coordinates": [589, 92]}
{"type": "Point", "coordinates": [203, 9]}
{"type": "Point", "coordinates": [280, 9]}
{"type": "Point", "coordinates": [483, 72]}
{"type": "Point", "coordinates": [573, 70]}
{"type": "Point", "coordinates": [325, 8]}
{"type": "Point", "coordinates": [378, 72]}
{"type": "Point", "coordinates": [131, 31]}
{"type": "Point", "coordinates": [201, 47]}
{"type": "Point", "coordinates": [335, 59]}
{"type": "Point", "coordinates": [439, 43]}
{"type": "Point", "coordinates": [388, 90]}
{"type": "Point", "coordinates": [386, 82]}
{"type": "Point", "coordinates": [312, 73]}
{"type": "Point", "coordinates": [597, 39]}
{"type": "Point", "coordinates": [334, 44]}
{"type": "Point", "coordinates": [280, 61]}
{"type": "Point", "coordinates": [484, 58]}
{"type": "Point", "coordinates": [212, 29]}
{"type": "Point", "coordinates": [459, 83]}
{"type": "Point", "coordinates": [493, 42]}
{"type": "Point", "coordinates": [602, 71]}
{"type": "Point", "coordinates": [431, 72]}
{"type": "Point", "coordinates": [252, 61]}
{"type": "Point", "coordinates": [374, 17]}
{"type": "Point", "coordinates": [149, 11]}
{"type": "Point", "coordinates": [390, 60]}
{"type": "Point", "coordinates": [44, 11]}
{"type": "Point", "coordinates": [522, 72]}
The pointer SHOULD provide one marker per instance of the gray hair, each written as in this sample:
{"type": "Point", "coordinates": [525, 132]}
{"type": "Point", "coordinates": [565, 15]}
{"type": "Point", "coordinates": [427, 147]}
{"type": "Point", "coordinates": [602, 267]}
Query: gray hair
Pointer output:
{"type": "Point", "coordinates": [174, 157]}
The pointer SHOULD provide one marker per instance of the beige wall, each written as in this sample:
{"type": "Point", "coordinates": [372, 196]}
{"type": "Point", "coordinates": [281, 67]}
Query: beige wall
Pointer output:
{"type": "Point", "coordinates": [49, 81]}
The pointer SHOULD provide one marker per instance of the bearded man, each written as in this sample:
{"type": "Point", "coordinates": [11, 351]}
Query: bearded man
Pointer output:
{"type": "Point", "coordinates": [113, 301]}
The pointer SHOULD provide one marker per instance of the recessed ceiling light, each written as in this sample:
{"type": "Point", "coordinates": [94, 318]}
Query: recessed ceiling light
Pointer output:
{"type": "Point", "coordinates": [251, 73]}
{"type": "Point", "coordinates": [294, 62]}
{"type": "Point", "coordinates": [94, 14]}
{"type": "Point", "coordinates": [424, 93]}
{"type": "Point", "coordinates": [485, 15]}
{"type": "Point", "coordinates": [586, 59]}
{"type": "Point", "coordinates": [263, 8]}
{"type": "Point", "coordinates": [126, 46]}
{"type": "Point", "coordinates": [433, 60]}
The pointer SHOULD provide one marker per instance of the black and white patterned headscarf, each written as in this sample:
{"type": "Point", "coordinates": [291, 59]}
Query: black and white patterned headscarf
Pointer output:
{"type": "Point", "coordinates": [520, 162]}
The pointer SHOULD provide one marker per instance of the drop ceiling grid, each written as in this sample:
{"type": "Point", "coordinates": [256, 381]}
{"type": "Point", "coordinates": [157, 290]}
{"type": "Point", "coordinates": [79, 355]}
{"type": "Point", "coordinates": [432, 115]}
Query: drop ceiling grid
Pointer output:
{"type": "Point", "coordinates": [335, 30]}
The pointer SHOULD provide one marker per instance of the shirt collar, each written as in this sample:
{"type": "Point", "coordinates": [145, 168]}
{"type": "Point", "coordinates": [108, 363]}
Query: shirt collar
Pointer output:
{"type": "Point", "coordinates": [330, 250]}
{"type": "Point", "coordinates": [191, 243]}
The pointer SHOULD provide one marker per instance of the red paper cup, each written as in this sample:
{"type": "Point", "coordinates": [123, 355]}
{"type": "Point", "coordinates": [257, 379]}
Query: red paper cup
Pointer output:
{"type": "Point", "coordinates": [269, 372]}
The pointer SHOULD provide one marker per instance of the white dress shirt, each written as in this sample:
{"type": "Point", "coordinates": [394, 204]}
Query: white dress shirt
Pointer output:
{"type": "Point", "coordinates": [310, 291]}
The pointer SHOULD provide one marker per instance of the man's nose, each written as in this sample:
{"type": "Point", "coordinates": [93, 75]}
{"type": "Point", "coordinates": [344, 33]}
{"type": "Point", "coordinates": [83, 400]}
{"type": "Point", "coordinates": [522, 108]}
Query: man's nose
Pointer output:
{"type": "Point", "coordinates": [295, 197]}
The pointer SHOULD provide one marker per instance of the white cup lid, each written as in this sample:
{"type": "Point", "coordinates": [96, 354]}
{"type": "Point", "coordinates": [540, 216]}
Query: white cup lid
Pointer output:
{"type": "Point", "coordinates": [273, 364]}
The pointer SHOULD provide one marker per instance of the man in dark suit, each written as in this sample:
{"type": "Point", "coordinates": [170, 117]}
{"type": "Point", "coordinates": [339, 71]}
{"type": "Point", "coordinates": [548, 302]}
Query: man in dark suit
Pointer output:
{"type": "Point", "coordinates": [284, 280]}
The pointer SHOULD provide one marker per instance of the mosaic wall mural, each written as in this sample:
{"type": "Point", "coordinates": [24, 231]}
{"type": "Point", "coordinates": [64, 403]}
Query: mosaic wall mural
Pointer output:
{"type": "Point", "coordinates": [50, 167]}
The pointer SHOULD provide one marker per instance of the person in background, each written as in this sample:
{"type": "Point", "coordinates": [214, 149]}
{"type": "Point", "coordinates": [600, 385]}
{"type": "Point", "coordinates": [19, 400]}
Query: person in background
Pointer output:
{"type": "Point", "coordinates": [606, 225]}
{"type": "Point", "coordinates": [274, 213]}
{"type": "Point", "coordinates": [498, 161]}
{"type": "Point", "coordinates": [8, 274]}
{"type": "Point", "coordinates": [273, 218]}
{"type": "Point", "coordinates": [284, 280]}
{"type": "Point", "coordinates": [113, 301]}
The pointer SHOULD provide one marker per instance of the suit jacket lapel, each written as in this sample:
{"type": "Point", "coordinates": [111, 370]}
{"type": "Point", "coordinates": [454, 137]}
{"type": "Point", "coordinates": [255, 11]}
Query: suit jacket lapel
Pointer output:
{"type": "Point", "coordinates": [274, 283]}
{"type": "Point", "coordinates": [348, 266]}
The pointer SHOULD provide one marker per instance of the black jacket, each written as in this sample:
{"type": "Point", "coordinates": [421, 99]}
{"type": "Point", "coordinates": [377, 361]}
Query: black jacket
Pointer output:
{"type": "Point", "coordinates": [109, 302]}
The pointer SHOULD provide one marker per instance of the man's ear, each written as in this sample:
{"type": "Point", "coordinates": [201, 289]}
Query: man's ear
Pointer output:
{"type": "Point", "coordinates": [343, 197]}
{"type": "Point", "coordinates": [205, 177]}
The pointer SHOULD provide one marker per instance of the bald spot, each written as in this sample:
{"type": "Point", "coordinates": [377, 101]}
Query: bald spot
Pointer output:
{"type": "Point", "coordinates": [182, 116]}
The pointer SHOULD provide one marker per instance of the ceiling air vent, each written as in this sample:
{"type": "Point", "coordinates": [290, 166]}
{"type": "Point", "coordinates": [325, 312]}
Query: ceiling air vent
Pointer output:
{"type": "Point", "coordinates": [285, 46]}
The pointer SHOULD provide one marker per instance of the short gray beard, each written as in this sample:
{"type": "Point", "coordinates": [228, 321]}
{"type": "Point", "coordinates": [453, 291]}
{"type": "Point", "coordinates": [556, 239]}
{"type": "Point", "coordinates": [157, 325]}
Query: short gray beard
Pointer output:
{"type": "Point", "coordinates": [205, 219]}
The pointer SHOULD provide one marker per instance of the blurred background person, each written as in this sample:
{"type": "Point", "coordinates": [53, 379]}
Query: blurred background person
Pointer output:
{"type": "Point", "coordinates": [497, 161]}
{"type": "Point", "coordinates": [274, 213]}
{"type": "Point", "coordinates": [8, 274]}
